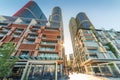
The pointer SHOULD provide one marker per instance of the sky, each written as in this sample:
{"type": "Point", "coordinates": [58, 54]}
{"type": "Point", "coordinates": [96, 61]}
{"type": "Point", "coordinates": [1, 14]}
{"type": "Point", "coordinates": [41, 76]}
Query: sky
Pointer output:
{"type": "Point", "coordinates": [102, 13]}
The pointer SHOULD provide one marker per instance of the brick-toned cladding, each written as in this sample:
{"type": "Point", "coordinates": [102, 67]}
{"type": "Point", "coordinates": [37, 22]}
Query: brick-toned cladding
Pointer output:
{"type": "Point", "coordinates": [50, 34]}
{"type": "Point", "coordinates": [36, 43]}
{"type": "Point", "coordinates": [42, 34]}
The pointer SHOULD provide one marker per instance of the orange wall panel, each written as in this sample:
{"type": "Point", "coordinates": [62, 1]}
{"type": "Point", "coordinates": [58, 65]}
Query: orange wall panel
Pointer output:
{"type": "Point", "coordinates": [29, 47]}
{"type": "Point", "coordinates": [7, 39]}
{"type": "Point", "coordinates": [18, 25]}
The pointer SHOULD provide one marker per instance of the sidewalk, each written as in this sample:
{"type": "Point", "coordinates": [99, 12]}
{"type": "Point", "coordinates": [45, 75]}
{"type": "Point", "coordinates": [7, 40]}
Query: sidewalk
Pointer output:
{"type": "Point", "coordinates": [80, 76]}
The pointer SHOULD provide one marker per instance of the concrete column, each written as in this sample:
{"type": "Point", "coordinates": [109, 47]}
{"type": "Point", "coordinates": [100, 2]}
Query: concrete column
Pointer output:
{"type": "Point", "coordinates": [86, 71]}
{"type": "Point", "coordinates": [100, 69]}
{"type": "Point", "coordinates": [110, 69]}
{"type": "Point", "coordinates": [61, 69]}
{"type": "Point", "coordinates": [117, 67]}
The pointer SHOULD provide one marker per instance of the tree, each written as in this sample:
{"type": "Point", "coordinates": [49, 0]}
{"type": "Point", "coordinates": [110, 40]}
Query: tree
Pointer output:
{"type": "Point", "coordinates": [6, 64]}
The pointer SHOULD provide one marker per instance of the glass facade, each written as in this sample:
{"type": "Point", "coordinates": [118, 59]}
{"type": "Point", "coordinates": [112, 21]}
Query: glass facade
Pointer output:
{"type": "Point", "coordinates": [56, 18]}
{"type": "Point", "coordinates": [95, 49]}
{"type": "Point", "coordinates": [83, 21]}
{"type": "Point", "coordinates": [31, 10]}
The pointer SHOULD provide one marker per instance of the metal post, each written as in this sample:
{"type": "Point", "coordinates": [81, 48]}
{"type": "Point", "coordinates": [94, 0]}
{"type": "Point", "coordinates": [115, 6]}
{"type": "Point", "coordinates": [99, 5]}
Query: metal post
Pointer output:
{"type": "Point", "coordinates": [29, 71]}
{"type": "Point", "coordinates": [100, 69]}
{"type": "Point", "coordinates": [25, 70]}
{"type": "Point", "coordinates": [56, 71]}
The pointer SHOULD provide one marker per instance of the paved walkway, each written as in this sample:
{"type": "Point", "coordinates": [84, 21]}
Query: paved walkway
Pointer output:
{"type": "Point", "coordinates": [80, 76]}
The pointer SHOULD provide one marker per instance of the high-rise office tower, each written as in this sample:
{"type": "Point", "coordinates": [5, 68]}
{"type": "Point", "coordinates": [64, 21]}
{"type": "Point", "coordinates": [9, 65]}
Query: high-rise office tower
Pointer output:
{"type": "Point", "coordinates": [96, 51]}
{"type": "Point", "coordinates": [56, 18]}
{"type": "Point", "coordinates": [38, 47]}
{"type": "Point", "coordinates": [31, 10]}
{"type": "Point", "coordinates": [83, 21]}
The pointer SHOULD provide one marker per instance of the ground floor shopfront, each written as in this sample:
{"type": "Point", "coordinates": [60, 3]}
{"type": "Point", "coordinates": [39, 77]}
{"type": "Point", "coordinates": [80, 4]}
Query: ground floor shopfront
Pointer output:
{"type": "Point", "coordinates": [37, 70]}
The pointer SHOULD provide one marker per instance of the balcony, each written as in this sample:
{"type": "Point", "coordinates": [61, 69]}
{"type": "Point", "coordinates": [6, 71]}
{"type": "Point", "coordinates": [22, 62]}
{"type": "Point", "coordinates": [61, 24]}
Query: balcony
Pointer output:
{"type": "Point", "coordinates": [91, 45]}
{"type": "Point", "coordinates": [48, 56]}
{"type": "Point", "coordinates": [47, 49]}
{"type": "Point", "coordinates": [2, 34]}
{"type": "Point", "coordinates": [32, 36]}
{"type": "Point", "coordinates": [26, 41]}
{"type": "Point", "coordinates": [93, 56]}
{"type": "Point", "coordinates": [19, 30]}
{"type": "Point", "coordinates": [49, 42]}
{"type": "Point", "coordinates": [3, 23]}
{"type": "Point", "coordinates": [91, 51]}
{"type": "Point", "coordinates": [100, 55]}
{"type": "Point", "coordinates": [110, 55]}
{"type": "Point", "coordinates": [24, 55]}
{"type": "Point", "coordinates": [5, 30]}
{"type": "Point", "coordinates": [106, 47]}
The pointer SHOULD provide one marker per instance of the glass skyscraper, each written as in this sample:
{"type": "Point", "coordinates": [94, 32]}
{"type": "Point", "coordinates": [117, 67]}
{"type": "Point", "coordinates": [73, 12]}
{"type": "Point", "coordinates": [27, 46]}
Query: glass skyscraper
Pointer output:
{"type": "Point", "coordinates": [83, 21]}
{"type": "Point", "coordinates": [96, 51]}
{"type": "Point", "coordinates": [56, 18]}
{"type": "Point", "coordinates": [31, 10]}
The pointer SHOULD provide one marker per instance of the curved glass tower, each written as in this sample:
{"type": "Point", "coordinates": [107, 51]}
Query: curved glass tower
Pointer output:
{"type": "Point", "coordinates": [31, 10]}
{"type": "Point", "coordinates": [56, 18]}
{"type": "Point", "coordinates": [83, 21]}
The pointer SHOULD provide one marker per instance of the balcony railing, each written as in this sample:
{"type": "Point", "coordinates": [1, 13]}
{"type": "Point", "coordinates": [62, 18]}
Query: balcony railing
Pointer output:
{"type": "Point", "coordinates": [48, 43]}
{"type": "Point", "coordinates": [24, 56]}
{"type": "Point", "coordinates": [46, 49]}
{"type": "Point", "coordinates": [33, 36]}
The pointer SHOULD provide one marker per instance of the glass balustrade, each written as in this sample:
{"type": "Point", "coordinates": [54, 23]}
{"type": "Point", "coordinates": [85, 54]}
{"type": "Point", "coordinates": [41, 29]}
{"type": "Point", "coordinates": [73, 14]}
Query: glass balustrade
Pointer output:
{"type": "Point", "coordinates": [47, 49]}
{"type": "Point", "coordinates": [24, 54]}
{"type": "Point", "coordinates": [48, 56]}
{"type": "Point", "coordinates": [93, 56]}
{"type": "Point", "coordinates": [32, 36]}
{"type": "Point", "coordinates": [110, 55]}
{"type": "Point", "coordinates": [49, 43]}
{"type": "Point", "coordinates": [19, 30]}
{"type": "Point", "coordinates": [92, 44]}
{"type": "Point", "coordinates": [2, 34]}
{"type": "Point", "coordinates": [100, 55]}
{"type": "Point", "coordinates": [28, 41]}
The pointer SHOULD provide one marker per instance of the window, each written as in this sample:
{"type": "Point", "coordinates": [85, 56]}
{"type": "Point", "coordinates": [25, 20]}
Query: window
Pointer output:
{"type": "Point", "coordinates": [48, 55]}
{"type": "Point", "coordinates": [26, 41]}
{"type": "Point", "coordinates": [93, 56]}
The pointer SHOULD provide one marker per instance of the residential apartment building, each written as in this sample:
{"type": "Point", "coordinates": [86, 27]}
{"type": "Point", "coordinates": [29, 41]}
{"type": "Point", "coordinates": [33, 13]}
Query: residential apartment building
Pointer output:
{"type": "Point", "coordinates": [96, 51]}
{"type": "Point", "coordinates": [39, 47]}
